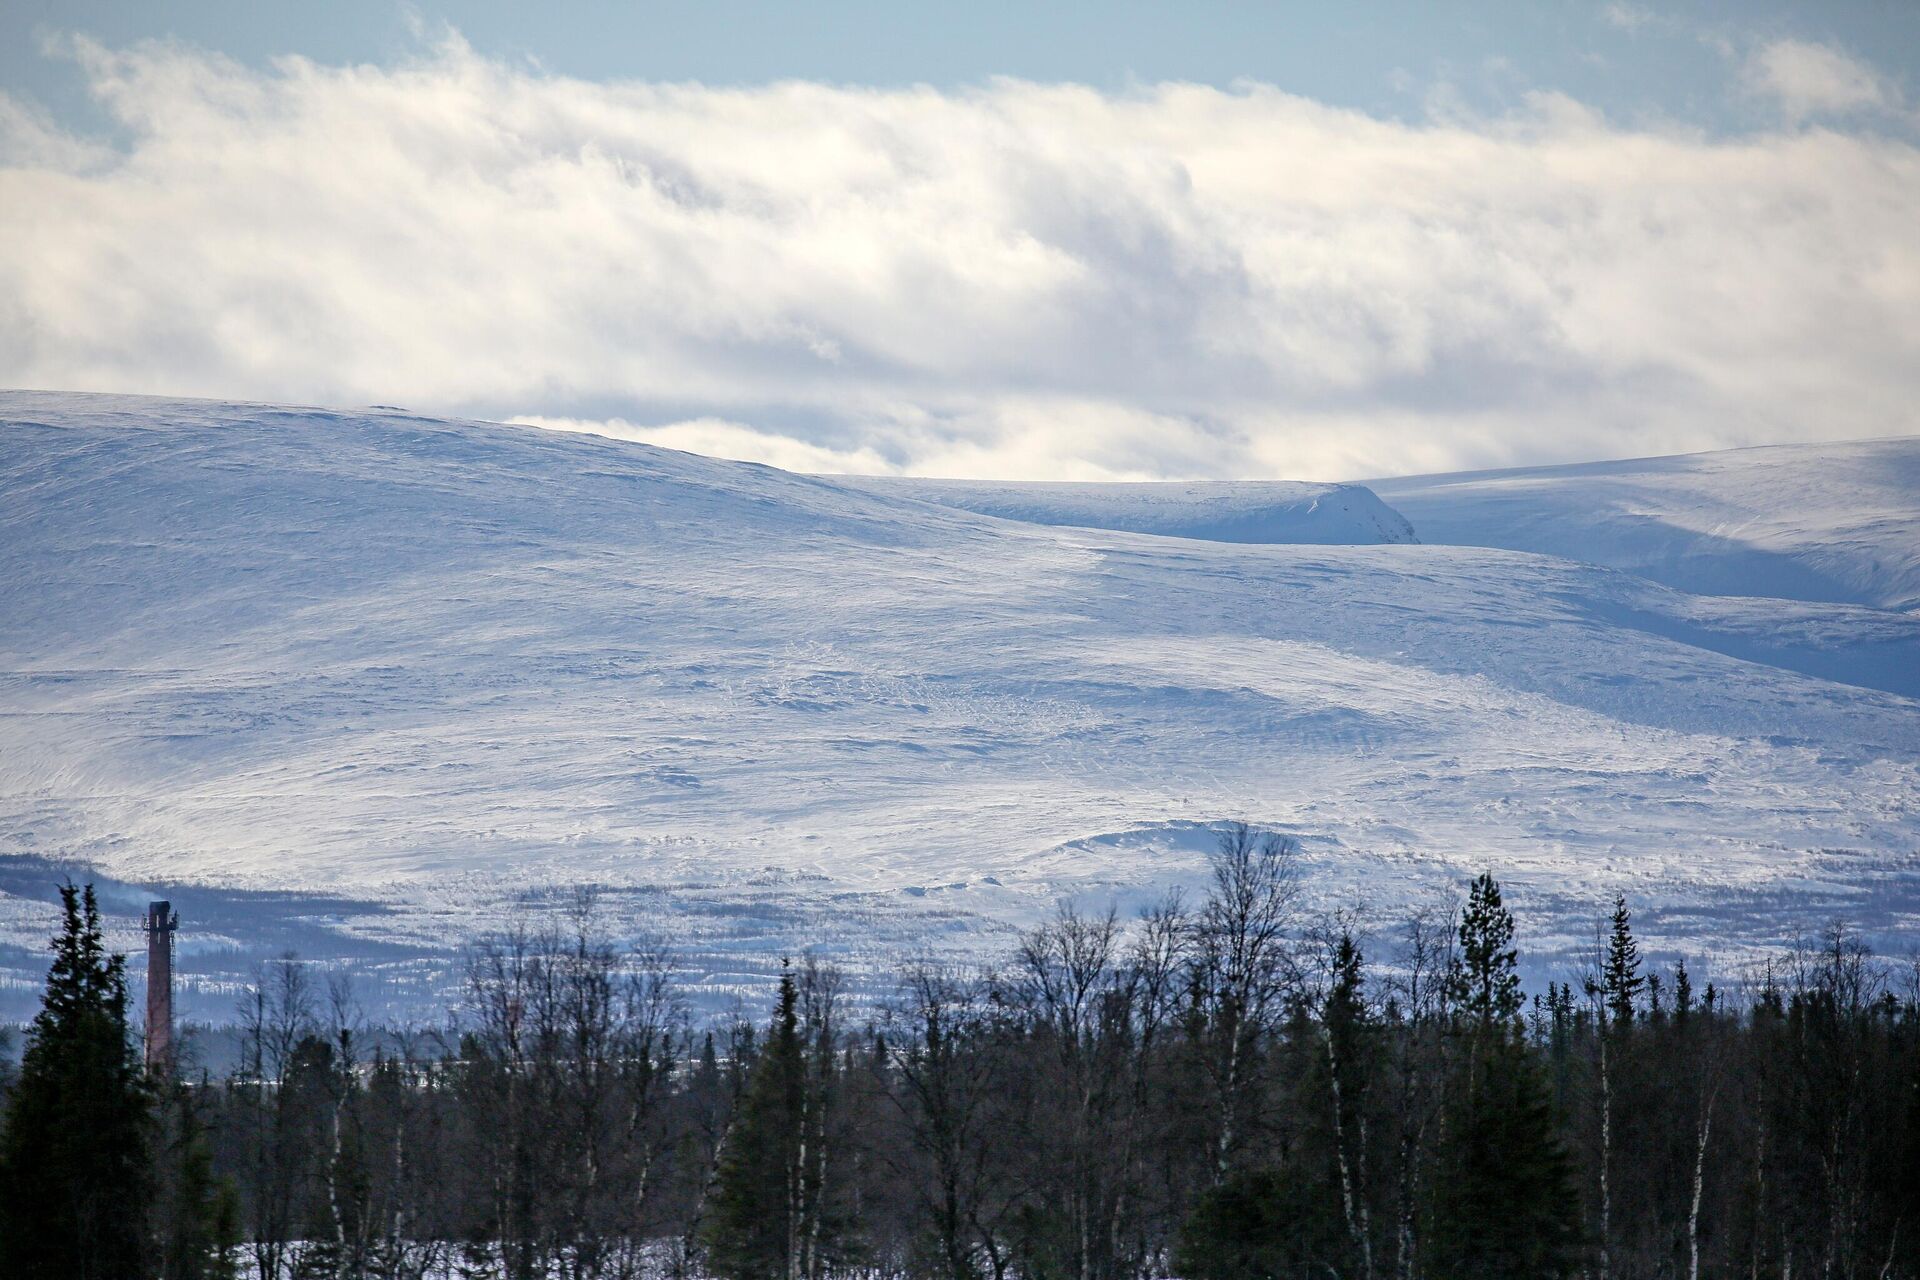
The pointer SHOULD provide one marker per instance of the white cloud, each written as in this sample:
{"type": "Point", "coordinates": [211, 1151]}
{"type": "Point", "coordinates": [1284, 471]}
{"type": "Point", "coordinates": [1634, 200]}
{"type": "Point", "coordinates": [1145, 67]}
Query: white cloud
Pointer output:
{"type": "Point", "coordinates": [1809, 80]}
{"type": "Point", "coordinates": [717, 438]}
{"type": "Point", "coordinates": [1627, 17]}
{"type": "Point", "coordinates": [1021, 279]}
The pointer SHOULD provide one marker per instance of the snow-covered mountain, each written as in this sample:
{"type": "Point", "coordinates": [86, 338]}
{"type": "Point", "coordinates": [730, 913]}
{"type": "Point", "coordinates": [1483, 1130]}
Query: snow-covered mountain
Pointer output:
{"type": "Point", "coordinates": [1221, 511]}
{"type": "Point", "coordinates": [366, 681]}
{"type": "Point", "coordinates": [1831, 522]}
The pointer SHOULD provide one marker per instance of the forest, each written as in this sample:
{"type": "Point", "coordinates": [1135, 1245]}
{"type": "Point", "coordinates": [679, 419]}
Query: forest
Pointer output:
{"type": "Point", "coordinates": [1230, 1087]}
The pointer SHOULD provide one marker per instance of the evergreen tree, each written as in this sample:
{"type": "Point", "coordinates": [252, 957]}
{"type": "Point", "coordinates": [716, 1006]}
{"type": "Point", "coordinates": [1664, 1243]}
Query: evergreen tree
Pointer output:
{"type": "Point", "coordinates": [755, 1205]}
{"type": "Point", "coordinates": [1349, 1034]}
{"type": "Point", "coordinates": [1503, 1204]}
{"type": "Point", "coordinates": [1619, 983]}
{"type": "Point", "coordinates": [73, 1190]}
{"type": "Point", "coordinates": [1560, 1030]}
{"type": "Point", "coordinates": [1486, 979]}
{"type": "Point", "coordinates": [1256, 1225]}
{"type": "Point", "coordinates": [196, 1213]}
{"type": "Point", "coordinates": [1620, 980]}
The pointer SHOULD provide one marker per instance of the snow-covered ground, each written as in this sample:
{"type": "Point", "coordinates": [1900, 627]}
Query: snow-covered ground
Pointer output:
{"type": "Point", "coordinates": [361, 682]}
{"type": "Point", "coordinates": [1830, 522]}
{"type": "Point", "coordinates": [1221, 511]}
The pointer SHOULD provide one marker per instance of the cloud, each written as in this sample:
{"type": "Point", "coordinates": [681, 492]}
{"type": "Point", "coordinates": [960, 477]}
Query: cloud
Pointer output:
{"type": "Point", "coordinates": [1809, 80]}
{"type": "Point", "coordinates": [716, 438]}
{"type": "Point", "coordinates": [1628, 17]}
{"type": "Point", "coordinates": [1018, 279]}
{"type": "Point", "coordinates": [30, 139]}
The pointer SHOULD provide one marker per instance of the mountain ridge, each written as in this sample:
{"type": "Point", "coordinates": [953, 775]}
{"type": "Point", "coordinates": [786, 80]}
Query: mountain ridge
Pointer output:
{"type": "Point", "coordinates": [451, 668]}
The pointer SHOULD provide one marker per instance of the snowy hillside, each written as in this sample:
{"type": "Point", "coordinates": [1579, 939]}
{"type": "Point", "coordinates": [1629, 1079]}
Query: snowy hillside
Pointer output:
{"type": "Point", "coordinates": [365, 681]}
{"type": "Point", "coordinates": [1832, 522]}
{"type": "Point", "coordinates": [1255, 511]}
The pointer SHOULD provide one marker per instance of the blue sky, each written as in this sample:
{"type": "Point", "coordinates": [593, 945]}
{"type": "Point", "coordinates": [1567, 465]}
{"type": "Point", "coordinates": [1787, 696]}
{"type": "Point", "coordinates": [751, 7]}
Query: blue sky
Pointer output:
{"type": "Point", "coordinates": [1629, 60]}
{"type": "Point", "coordinates": [1042, 240]}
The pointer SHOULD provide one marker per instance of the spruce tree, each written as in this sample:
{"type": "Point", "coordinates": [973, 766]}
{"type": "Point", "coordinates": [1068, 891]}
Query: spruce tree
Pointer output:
{"type": "Point", "coordinates": [1620, 980]}
{"type": "Point", "coordinates": [73, 1187]}
{"type": "Point", "coordinates": [196, 1212]}
{"type": "Point", "coordinates": [758, 1186]}
{"type": "Point", "coordinates": [1350, 1036]}
{"type": "Point", "coordinates": [1503, 1204]}
{"type": "Point", "coordinates": [1258, 1224]}
{"type": "Point", "coordinates": [1619, 985]}
{"type": "Point", "coordinates": [1485, 980]}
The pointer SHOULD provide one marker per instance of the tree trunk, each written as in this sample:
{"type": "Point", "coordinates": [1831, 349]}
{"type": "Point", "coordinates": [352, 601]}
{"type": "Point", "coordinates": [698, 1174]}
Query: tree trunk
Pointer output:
{"type": "Point", "coordinates": [1606, 1159]}
{"type": "Point", "coordinates": [1357, 1225]}
{"type": "Point", "coordinates": [1699, 1181]}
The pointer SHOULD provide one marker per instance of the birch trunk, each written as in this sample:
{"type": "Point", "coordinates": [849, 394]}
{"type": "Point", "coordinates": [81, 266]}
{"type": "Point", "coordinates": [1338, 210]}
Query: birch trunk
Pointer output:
{"type": "Point", "coordinates": [1699, 1181]}
{"type": "Point", "coordinates": [1357, 1225]}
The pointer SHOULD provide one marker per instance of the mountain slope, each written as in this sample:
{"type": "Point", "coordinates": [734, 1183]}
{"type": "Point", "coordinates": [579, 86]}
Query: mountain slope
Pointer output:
{"type": "Point", "coordinates": [452, 667]}
{"type": "Point", "coordinates": [1217, 511]}
{"type": "Point", "coordinates": [1834, 522]}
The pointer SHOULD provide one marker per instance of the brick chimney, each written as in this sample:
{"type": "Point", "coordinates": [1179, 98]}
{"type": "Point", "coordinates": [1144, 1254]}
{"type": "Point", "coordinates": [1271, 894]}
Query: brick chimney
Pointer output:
{"type": "Point", "coordinates": [161, 922]}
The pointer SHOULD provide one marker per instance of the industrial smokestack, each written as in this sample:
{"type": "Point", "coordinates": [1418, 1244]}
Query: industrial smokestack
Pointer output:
{"type": "Point", "coordinates": [161, 922]}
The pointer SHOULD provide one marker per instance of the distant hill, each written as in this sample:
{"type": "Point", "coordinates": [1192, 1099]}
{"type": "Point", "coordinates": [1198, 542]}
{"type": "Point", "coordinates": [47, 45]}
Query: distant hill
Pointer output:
{"type": "Point", "coordinates": [1827, 522]}
{"type": "Point", "coordinates": [1277, 511]}
{"type": "Point", "coordinates": [394, 679]}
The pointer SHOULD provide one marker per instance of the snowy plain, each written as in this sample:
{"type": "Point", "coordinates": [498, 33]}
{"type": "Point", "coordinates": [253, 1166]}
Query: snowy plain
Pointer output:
{"type": "Point", "coordinates": [367, 684]}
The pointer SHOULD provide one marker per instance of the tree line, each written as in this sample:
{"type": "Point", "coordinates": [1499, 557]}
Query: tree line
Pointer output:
{"type": "Point", "coordinates": [1224, 1089]}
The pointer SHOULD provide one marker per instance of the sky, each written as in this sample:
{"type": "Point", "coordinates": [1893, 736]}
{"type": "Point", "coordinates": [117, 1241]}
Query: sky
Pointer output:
{"type": "Point", "coordinates": [1006, 241]}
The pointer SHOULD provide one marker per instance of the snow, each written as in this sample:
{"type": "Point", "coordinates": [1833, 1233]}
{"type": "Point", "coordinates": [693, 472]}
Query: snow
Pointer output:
{"type": "Point", "coordinates": [367, 680]}
{"type": "Point", "coordinates": [1831, 522]}
{"type": "Point", "coordinates": [1219, 511]}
